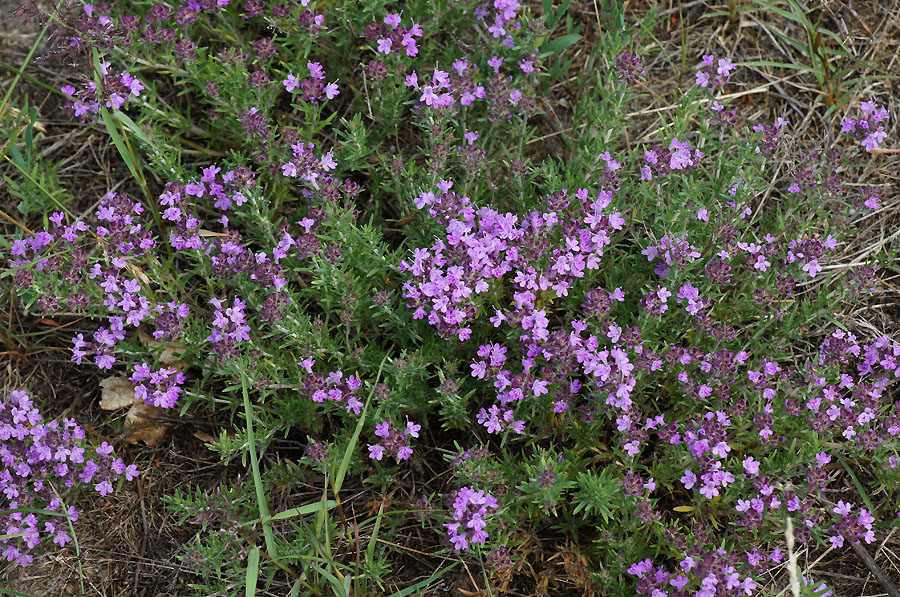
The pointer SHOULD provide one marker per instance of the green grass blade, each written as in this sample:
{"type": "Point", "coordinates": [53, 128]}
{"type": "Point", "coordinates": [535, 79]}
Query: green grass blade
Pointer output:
{"type": "Point", "coordinates": [15, 593]}
{"type": "Point", "coordinates": [295, 590]}
{"type": "Point", "coordinates": [134, 128]}
{"type": "Point", "coordinates": [370, 548]}
{"type": "Point", "coordinates": [559, 44]}
{"type": "Point", "coordinates": [119, 142]}
{"type": "Point", "coordinates": [34, 511]}
{"type": "Point", "coordinates": [336, 584]}
{"type": "Point", "coordinates": [304, 510]}
{"type": "Point", "coordinates": [859, 487]}
{"type": "Point", "coordinates": [261, 502]}
{"type": "Point", "coordinates": [797, 17]}
{"type": "Point", "coordinates": [348, 453]}
{"type": "Point", "coordinates": [252, 572]}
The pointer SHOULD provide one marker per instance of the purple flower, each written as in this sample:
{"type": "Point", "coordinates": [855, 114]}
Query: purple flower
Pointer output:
{"type": "Point", "coordinates": [822, 458]}
{"type": "Point", "coordinates": [842, 508]}
{"type": "Point", "coordinates": [412, 429]}
{"type": "Point", "coordinates": [751, 466]}
{"type": "Point", "coordinates": [393, 441]}
{"type": "Point", "coordinates": [315, 70]}
{"type": "Point", "coordinates": [470, 509]}
{"type": "Point", "coordinates": [376, 452]}
{"type": "Point", "coordinates": [384, 46]}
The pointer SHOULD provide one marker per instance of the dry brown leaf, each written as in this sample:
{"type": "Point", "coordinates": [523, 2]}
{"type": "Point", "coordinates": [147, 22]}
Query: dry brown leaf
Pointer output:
{"type": "Point", "coordinates": [150, 435]}
{"type": "Point", "coordinates": [116, 392]}
{"type": "Point", "coordinates": [204, 437]}
{"type": "Point", "coordinates": [142, 415]}
{"type": "Point", "coordinates": [167, 357]}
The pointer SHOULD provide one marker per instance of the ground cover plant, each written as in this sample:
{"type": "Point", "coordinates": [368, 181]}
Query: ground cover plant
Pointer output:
{"type": "Point", "coordinates": [452, 297]}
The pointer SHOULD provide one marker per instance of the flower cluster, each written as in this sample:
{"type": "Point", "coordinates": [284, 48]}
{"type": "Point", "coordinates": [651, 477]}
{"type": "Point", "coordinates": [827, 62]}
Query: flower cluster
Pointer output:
{"type": "Point", "coordinates": [868, 128]}
{"type": "Point", "coordinates": [711, 574]}
{"type": "Point", "coordinates": [671, 251]}
{"type": "Point", "coordinates": [170, 320]}
{"type": "Point", "coordinates": [334, 387]}
{"type": "Point", "coordinates": [316, 451]}
{"type": "Point", "coordinates": [713, 74]}
{"type": "Point", "coordinates": [184, 233]}
{"type": "Point", "coordinates": [504, 15]}
{"type": "Point", "coordinates": [661, 161]}
{"type": "Point", "coordinates": [393, 37]}
{"type": "Point", "coordinates": [851, 526]}
{"type": "Point", "coordinates": [432, 94]}
{"type": "Point", "coordinates": [115, 283]}
{"type": "Point", "coordinates": [124, 235]}
{"type": "Point", "coordinates": [470, 511]}
{"type": "Point", "coordinates": [484, 245]}
{"type": "Point", "coordinates": [40, 460]}
{"type": "Point", "coordinates": [459, 84]}
{"type": "Point", "coordinates": [157, 388]}
{"type": "Point", "coordinates": [305, 165]}
{"type": "Point", "coordinates": [707, 443]}
{"type": "Point", "coordinates": [772, 134]}
{"type": "Point", "coordinates": [630, 67]}
{"type": "Point", "coordinates": [103, 346]}
{"type": "Point", "coordinates": [114, 91]}
{"type": "Point", "coordinates": [393, 441]}
{"type": "Point", "coordinates": [312, 88]}
{"type": "Point", "coordinates": [229, 327]}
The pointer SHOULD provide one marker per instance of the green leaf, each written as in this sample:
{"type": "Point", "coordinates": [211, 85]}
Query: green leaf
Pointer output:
{"type": "Point", "coordinates": [128, 122]}
{"type": "Point", "coordinates": [16, 156]}
{"type": "Point", "coordinates": [370, 549]}
{"type": "Point", "coordinates": [858, 485]}
{"type": "Point", "coordinates": [304, 510]}
{"type": "Point", "coordinates": [295, 590]}
{"type": "Point", "coordinates": [336, 585]}
{"type": "Point", "coordinates": [29, 130]}
{"type": "Point", "coordinates": [15, 593]}
{"type": "Point", "coordinates": [560, 43]}
{"type": "Point", "coordinates": [119, 142]}
{"type": "Point", "coordinates": [252, 572]}
{"type": "Point", "coordinates": [34, 511]}
{"type": "Point", "coordinates": [348, 453]}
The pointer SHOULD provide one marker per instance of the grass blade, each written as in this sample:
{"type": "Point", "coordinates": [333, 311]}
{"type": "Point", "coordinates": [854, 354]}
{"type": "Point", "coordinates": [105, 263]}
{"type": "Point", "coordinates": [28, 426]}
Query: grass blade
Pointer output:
{"type": "Point", "coordinates": [348, 453]}
{"type": "Point", "coordinates": [304, 510]}
{"type": "Point", "coordinates": [261, 503]}
{"type": "Point", "coordinates": [252, 572]}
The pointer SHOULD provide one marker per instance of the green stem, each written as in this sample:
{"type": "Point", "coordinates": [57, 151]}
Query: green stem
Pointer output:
{"type": "Point", "coordinates": [254, 466]}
